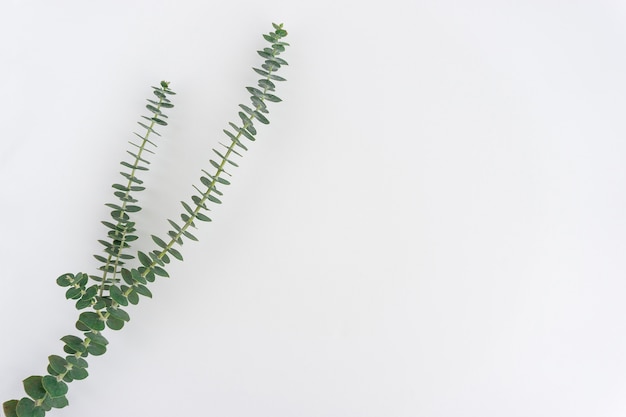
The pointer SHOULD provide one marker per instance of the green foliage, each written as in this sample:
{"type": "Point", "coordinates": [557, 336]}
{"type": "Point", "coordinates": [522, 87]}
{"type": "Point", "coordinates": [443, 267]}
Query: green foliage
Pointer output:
{"type": "Point", "coordinates": [119, 284]}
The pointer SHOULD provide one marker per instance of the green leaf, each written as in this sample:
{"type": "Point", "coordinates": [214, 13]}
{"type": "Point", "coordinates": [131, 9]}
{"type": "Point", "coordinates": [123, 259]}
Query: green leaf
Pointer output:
{"type": "Point", "coordinates": [261, 118]}
{"type": "Point", "coordinates": [143, 290]}
{"type": "Point", "coordinates": [91, 320]}
{"type": "Point", "coordinates": [138, 276]}
{"type": "Point", "coordinates": [272, 98]}
{"type": "Point", "coordinates": [144, 259]}
{"type": "Point", "coordinates": [216, 165]}
{"type": "Point", "coordinates": [133, 298]}
{"type": "Point", "coordinates": [241, 131]}
{"type": "Point", "coordinates": [269, 38]}
{"type": "Point", "coordinates": [131, 178]}
{"type": "Point", "coordinates": [9, 408]}
{"type": "Point", "coordinates": [276, 77]}
{"type": "Point", "coordinates": [222, 181]}
{"type": "Point", "coordinates": [136, 166]}
{"type": "Point", "coordinates": [79, 373]}
{"type": "Point", "coordinates": [69, 350]}
{"type": "Point", "coordinates": [96, 349]}
{"type": "Point", "coordinates": [51, 371]}
{"type": "Point", "coordinates": [153, 109]}
{"type": "Point", "coordinates": [57, 363]}
{"type": "Point", "coordinates": [262, 72]}
{"type": "Point", "coordinates": [187, 208]}
{"type": "Point", "coordinates": [259, 104]}
{"type": "Point", "coordinates": [255, 92]}
{"type": "Point", "coordinates": [251, 129]}
{"type": "Point", "coordinates": [198, 202]}
{"type": "Point", "coordinates": [53, 387]}
{"type": "Point", "coordinates": [268, 67]}
{"type": "Point", "coordinates": [73, 293]}
{"type": "Point", "coordinates": [127, 276]}
{"type": "Point", "coordinates": [160, 271]}
{"type": "Point", "coordinates": [174, 235]}
{"type": "Point", "coordinates": [120, 187]}
{"type": "Point", "coordinates": [34, 388]}
{"type": "Point", "coordinates": [100, 303]}
{"type": "Point", "coordinates": [110, 225]}
{"type": "Point", "coordinates": [134, 155]}
{"type": "Point", "coordinates": [231, 136]}
{"type": "Point", "coordinates": [164, 257]}
{"type": "Point", "coordinates": [159, 121]}
{"type": "Point", "coordinates": [131, 238]}
{"type": "Point", "coordinates": [97, 338]}
{"type": "Point", "coordinates": [280, 60]}
{"type": "Point", "coordinates": [247, 109]}
{"type": "Point", "coordinates": [27, 408]}
{"type": "Point", "coordinates": [117, 296]}
{"type": "Point", "coordinates": [150, 277]}
{"type": "Point", "coordinates": [82, 326]}
{"type": "Point", "coordinates": [176, 254]}
{"type": "Point", "coordinates": [77, 362]}
{"type": "Point", "coordinates": [83, 303]}
{"type": "Point", "coordinates": [114, 323]}
{"type": "Point", "coordinates": [245, 119]}
{"type": "Point", "coordinates": [119, 216]}
{"type": "Point", "coordinates": [203, 218]}
{"type": "Point", "coordinates": [100, 258]}
{"type": "Point", "coordinates": [91, 291]}
{"type": "Point", "coordinates": [234, 139]}
{"type": "Point", "coordinates": [58, 402]}
{"type": "Point", "coordinates": [159, 242]}
{"type": "Point", "coordinates": [214, 199]}
{"type": "Point", "coordinates": [267, 84]}
{"type": "Point", "coordinates": [65, 280]}
{"type": "Point", "coordinates": [114, 206]}
{"type": "Point", "coordinates": [68, 378]}
{"type": "Point", "coordinates": [174, 225]}
{"type": "Point", "coordinates": [74, 342]}
{"type": "Point", "coordinates": [275, 65]}
{"type": "Point", "coordinates": [206, 182]}
{"type": "Point", "coordinates": [118, 313]}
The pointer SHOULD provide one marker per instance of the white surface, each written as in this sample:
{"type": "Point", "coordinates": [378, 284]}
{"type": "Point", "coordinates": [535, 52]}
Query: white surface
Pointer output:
{"type": "Point", "coordinates": [433, 224]}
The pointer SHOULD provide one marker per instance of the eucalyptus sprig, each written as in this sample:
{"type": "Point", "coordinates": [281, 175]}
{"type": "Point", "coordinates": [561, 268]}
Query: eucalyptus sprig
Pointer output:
{"type": "Point", "coordinates": [118, 283]}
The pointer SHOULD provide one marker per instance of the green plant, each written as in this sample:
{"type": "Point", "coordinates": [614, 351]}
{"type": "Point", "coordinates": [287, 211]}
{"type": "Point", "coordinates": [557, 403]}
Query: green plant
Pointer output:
{"type": "Point", "coordinates": [123, 276]}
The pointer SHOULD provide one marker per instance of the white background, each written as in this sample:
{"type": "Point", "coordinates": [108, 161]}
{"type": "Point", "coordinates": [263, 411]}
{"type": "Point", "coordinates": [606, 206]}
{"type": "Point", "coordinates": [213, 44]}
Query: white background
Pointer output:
{"type": "Point", "coordinates": [432, 225]}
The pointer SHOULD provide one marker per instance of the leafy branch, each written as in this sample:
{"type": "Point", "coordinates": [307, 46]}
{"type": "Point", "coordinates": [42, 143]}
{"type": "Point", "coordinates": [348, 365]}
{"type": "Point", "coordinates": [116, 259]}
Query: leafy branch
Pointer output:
{"type": "Point", "coordinates": [105, 299]}
{"type": "Point", "coordinates": [120, 232]}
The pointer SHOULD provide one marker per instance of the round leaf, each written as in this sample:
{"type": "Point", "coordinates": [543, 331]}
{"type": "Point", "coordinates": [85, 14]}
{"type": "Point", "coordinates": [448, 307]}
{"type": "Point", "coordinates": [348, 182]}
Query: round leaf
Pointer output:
{"type": "Point", "coordinates": [34, 388]}
{"type": "Point", "coordinates": [9, 408]}
{"type": "Point", "coordinates": [92, 320]}
{"type": "Point", "coordinates": [53, 387]}
{"type": "Point", "coordinates": [79, 373]}
{"type": "Point", "coordinates": [58, 402]}
{"type": "Point", "coordinates": [27, 408]}
{"type": "Point", "coordinates": [57, 363]}
{"type": "Point", "coordinates": [114, 323]}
